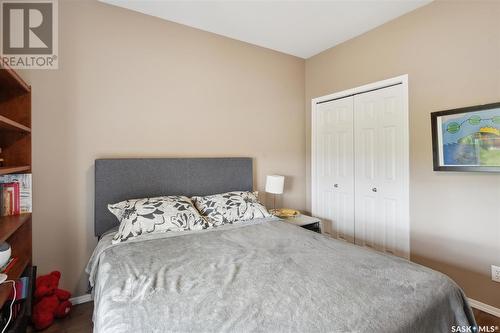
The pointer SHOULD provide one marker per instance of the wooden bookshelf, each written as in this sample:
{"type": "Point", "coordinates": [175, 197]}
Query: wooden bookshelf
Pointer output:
{"type": "Point", "coordinates": [15, 144]}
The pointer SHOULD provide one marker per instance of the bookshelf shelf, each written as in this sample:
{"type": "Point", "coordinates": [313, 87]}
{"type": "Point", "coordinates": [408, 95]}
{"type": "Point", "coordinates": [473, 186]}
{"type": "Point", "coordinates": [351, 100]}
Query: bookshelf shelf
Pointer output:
{"type": "Point", "coordinates": [16, 169]}
{"type": "Point", "coordinates": [9, 225]}
{"type": "Point", "coordinates": [9, 124]}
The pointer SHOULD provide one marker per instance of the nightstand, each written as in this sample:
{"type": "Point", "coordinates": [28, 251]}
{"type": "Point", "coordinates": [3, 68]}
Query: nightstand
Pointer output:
{"type": "Point", "coordinates": [306, 222]}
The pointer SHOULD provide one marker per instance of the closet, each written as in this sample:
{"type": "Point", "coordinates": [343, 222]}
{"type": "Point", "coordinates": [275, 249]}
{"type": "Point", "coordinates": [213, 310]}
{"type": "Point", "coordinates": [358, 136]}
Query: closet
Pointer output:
{"type": "Point", "coordinates": [360, 169]}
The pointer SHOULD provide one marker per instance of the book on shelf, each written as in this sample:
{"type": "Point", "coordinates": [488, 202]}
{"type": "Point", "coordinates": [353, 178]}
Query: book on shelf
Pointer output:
{"type": "Point", "coordinates": [22, 286]}
{"type": "Point", "coordinates": [15, 194]}
{"type": "Point", "coordinates": [9, 193]}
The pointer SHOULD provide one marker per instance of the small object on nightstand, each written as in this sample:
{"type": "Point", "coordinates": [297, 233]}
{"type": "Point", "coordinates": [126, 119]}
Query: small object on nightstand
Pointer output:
{"type": "Point", "coordinates": [285, 212]}
{"type": "Point", "coordinates": [306, 222]}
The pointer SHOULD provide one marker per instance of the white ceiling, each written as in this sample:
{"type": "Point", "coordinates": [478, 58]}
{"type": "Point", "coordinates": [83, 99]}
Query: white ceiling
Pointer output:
{"type": "Point", "coordinates": [299, 28]}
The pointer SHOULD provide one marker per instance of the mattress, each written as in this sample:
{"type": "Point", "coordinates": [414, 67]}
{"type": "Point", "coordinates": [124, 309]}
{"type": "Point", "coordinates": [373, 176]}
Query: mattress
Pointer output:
{"type": "Point", "coordinates": [265, 276]}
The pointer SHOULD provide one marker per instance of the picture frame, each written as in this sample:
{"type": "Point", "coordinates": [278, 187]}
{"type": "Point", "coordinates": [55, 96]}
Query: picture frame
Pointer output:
{"type": "Point", "coordinates": [467, 139]}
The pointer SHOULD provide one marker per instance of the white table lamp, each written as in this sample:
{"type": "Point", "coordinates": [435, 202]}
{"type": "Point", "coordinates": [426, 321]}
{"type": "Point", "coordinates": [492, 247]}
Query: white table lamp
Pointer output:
{"type": "Point", "coordinates": [275, 185]}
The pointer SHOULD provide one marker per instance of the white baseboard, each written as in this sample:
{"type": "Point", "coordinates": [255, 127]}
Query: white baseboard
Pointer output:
{"type": "Point", "coordinates": [484, 307]}
{"type": "Point", "coordinates": [81, 299]}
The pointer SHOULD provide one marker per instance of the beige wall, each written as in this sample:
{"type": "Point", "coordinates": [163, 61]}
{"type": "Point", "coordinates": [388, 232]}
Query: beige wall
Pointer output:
{"type": "Point", "coordinates": [131, 85]}
{"type": "Point", "coordinates": [451, 52]}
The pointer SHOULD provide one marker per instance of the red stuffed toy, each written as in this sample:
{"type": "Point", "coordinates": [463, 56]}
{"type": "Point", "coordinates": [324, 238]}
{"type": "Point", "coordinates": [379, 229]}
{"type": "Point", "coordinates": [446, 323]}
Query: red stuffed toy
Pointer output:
{"type": "Point", "coordinates": [50, 301]}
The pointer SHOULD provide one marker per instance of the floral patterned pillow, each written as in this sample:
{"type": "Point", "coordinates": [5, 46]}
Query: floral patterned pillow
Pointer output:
{"type": "Point", "coordinates": [154, 215]}
{"type": "Point", "coordinates": [230, 207]}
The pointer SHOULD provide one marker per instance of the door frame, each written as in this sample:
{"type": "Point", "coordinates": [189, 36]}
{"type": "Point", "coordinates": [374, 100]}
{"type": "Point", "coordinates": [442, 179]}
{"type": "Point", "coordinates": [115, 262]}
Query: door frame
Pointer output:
{"type": "Point", "coordinates": [403, 80]}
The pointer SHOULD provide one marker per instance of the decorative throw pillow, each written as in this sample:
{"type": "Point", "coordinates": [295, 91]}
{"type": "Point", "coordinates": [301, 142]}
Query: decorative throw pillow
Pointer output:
{"type": "Point", "coordinates": [155, 215]}
{"type": "Point", "coordinates": [230, 207]}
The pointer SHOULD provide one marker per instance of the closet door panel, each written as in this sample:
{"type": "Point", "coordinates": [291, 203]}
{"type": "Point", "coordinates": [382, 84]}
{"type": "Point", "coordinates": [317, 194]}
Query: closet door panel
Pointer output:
{"type": "Point", "coordinates": [392, 182]}
{"type": "Point", "coordinates": [366, 170]}
{"type": "Point", "coordinates": [379, 169]}
{"type": "Point", "coordinates": [333, 174]}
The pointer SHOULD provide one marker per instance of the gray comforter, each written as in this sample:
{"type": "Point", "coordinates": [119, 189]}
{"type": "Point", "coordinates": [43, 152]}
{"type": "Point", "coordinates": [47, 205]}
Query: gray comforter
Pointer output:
{"type": "Point", "coordinates": [265, 276]}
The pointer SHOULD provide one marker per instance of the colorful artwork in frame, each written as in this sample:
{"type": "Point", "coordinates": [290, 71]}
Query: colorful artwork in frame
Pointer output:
{"type": "Point", "coordinates": [467, 139]}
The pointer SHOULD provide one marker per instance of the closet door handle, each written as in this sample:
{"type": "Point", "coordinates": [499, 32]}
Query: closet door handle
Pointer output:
{"type": "Point", "coordinates": [336, 185]}
{"type": "Point", "coordinates": [374, 189]}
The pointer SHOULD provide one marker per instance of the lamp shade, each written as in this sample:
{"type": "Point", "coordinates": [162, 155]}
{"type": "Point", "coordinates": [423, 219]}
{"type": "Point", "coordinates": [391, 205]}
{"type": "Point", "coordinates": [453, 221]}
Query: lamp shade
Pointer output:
{"type": "Point", "coordinates": [275, 184]}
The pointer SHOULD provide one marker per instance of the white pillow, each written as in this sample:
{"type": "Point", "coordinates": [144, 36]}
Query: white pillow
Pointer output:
{"type": "Point", "coordinates": [230, 207]}
{"type": "Point", "coordinates": [155, 215]}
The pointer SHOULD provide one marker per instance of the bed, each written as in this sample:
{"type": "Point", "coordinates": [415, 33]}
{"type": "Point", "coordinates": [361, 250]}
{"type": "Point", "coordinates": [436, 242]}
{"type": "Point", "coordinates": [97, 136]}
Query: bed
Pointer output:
{"type": "Point", "coordinates": [262, 275]}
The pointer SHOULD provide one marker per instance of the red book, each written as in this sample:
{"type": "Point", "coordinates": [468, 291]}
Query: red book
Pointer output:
{"type": "Point", "coordinates": [6, 201]}
{"type": "Point", "coordinates": [17, 198]}
{"type": "Point", "coordinates": [11, 198]}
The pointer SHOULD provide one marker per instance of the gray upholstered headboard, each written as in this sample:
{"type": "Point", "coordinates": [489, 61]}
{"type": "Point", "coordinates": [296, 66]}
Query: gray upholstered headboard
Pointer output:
{"type": "Point", "coordinates": [121, 179]}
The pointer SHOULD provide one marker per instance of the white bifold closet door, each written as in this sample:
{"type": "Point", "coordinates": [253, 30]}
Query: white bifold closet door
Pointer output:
{"type": "Point", "coordinates": [334, 164]}
{"type": "Point", "coordinates": [360, 169]}
{"type": "Point", "coordinates": [381, 170]}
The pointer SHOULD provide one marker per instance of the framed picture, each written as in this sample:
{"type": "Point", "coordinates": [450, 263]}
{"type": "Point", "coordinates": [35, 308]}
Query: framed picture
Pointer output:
{"type": "Point", "coordinates": [467, 139]}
